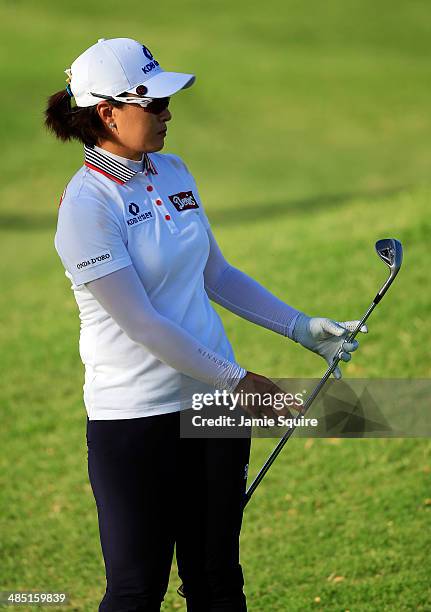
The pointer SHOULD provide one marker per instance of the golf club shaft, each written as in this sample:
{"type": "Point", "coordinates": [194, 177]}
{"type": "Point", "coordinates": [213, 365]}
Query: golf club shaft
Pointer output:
{"type": "Point", "coordinates": [272, 457]}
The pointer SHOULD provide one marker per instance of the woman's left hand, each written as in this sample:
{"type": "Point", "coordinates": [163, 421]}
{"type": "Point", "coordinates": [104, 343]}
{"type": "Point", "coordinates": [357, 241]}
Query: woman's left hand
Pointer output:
{"type": "Point", "coordinates": [325, 337]}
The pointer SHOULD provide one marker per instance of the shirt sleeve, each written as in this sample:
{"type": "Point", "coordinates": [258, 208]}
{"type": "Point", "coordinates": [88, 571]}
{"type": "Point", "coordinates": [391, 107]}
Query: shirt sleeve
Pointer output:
{"type": "Point", "coordinates": [244, 296]}
{"type": "Point", "coordinates": [90, 240]}
{"type": "Point", "coordinates": [124, 298]}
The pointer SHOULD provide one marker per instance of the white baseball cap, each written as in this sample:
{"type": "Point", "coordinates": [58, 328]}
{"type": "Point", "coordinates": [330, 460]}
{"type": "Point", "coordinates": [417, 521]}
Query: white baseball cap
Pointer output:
{"type": "Point", "coordinates": [118, 65]}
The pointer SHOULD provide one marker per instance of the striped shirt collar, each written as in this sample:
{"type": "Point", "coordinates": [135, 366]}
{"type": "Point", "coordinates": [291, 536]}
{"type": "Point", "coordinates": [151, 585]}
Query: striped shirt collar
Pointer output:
{"type": "Point", "coordinates": [111, 167]}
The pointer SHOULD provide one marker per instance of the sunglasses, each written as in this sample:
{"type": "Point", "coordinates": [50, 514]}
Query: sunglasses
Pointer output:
{"type": "Point", "coordinates": [150, 105]}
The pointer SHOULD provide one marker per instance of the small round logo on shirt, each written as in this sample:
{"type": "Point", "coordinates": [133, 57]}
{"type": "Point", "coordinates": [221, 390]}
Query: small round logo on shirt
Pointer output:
{"type": "Point", "coordinates": [133, 208]}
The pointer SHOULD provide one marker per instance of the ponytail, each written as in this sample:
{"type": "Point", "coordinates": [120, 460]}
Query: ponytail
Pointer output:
{"type": "Point", "coordinates": [58, 115]}
{"type": "Point", "coordinates": [69, 122]}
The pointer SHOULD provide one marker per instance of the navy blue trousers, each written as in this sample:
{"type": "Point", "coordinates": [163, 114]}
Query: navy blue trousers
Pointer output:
{"type": "Point", "coordinates": [155, 490]}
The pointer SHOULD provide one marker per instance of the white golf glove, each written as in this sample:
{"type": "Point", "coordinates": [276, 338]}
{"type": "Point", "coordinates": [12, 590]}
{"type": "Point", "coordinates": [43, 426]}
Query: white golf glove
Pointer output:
{"type": "Point", "coordinates": [325, 337]}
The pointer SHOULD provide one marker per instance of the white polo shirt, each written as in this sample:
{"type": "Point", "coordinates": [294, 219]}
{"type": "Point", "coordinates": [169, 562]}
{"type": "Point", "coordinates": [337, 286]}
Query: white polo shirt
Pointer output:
{"type": "Point", "coordinates": [116, 212]}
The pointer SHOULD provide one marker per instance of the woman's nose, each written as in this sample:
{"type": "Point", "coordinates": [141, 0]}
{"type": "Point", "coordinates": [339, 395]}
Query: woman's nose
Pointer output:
{"type": "Point", "coordinates": [165, 115]}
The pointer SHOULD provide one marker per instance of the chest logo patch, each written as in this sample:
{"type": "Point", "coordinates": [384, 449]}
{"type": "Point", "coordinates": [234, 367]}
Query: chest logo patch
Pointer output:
{"type": "Point", "coordinates": [185, 200]}
{"type": "Point", "coordinates": [138, 215]}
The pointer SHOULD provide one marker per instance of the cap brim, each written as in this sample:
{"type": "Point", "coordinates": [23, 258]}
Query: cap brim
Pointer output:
{"type": "Point", "coordinates": [166, 84]}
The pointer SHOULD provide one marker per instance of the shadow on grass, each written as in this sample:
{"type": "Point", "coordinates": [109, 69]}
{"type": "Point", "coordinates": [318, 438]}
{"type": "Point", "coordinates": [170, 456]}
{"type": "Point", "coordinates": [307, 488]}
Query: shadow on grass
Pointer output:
{"type": "Point", "coordinates": [250, 213]}
{"type": "Point", "coordinates": [246, 213]}
{"type": "Point", "coordinates": [27, 222]}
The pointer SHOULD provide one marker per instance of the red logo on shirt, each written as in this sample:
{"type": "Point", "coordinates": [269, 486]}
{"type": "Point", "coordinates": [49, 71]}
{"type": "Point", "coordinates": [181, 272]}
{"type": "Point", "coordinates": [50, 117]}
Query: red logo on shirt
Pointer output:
{"type": "Point", "coordinates": [183, 200]}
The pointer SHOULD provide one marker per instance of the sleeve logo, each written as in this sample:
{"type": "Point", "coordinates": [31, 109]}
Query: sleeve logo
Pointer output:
{"type": "Point", "coordinates": [91, 262]}
{"type": "Point", "coordinates": [185, 200]}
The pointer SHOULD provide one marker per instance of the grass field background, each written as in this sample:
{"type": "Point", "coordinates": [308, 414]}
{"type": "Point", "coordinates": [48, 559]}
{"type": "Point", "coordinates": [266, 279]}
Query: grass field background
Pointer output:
{"type": "Point", "coordinates": [309, 134]}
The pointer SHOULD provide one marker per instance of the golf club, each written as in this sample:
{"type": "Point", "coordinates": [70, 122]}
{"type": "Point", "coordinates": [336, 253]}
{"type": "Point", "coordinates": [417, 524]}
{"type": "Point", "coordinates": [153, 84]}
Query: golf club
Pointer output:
{"type": "Point", "coordinates": [390, 251]}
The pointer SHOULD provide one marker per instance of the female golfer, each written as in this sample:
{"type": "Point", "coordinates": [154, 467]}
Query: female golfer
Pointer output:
{"type": "Point", "coordinates": [137, 246]}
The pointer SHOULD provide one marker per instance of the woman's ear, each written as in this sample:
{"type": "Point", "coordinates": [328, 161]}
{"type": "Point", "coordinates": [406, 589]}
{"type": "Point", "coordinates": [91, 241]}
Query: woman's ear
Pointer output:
{"type": "Point", "coordinates": [104, 110]}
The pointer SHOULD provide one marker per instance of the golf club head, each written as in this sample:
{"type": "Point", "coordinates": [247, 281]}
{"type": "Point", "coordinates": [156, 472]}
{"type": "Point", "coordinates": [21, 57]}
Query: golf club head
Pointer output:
{"type": "Point", "coordinates": [390, 251]}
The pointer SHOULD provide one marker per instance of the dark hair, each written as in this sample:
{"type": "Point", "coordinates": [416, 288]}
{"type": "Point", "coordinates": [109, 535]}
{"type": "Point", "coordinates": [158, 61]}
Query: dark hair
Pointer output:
{"type": "Point", "coordinates": [69, 122]}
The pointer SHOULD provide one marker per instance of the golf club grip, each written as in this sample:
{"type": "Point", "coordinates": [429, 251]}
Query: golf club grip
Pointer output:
{"type": "Point", "coordinates": [357, 329]}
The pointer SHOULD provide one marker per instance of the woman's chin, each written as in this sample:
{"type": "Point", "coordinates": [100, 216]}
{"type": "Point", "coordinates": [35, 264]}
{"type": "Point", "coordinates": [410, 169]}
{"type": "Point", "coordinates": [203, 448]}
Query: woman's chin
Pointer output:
{"type": "Point", "coordinates": [156, 146]}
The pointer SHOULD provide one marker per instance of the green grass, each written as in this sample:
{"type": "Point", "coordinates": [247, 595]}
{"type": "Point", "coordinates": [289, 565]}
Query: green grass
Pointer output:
{"type": "Point", "coordinates": [309, 134]}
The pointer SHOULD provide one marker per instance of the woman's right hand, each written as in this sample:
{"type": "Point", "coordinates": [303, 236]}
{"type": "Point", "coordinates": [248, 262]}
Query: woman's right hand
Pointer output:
{"type": "Point", "coordinates": [264, 388]}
